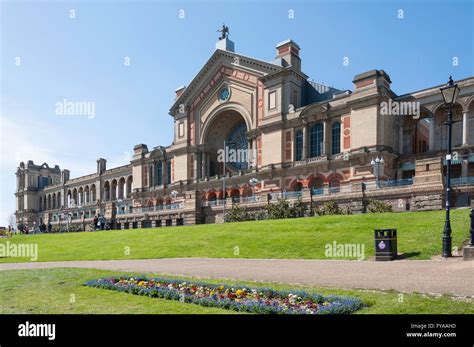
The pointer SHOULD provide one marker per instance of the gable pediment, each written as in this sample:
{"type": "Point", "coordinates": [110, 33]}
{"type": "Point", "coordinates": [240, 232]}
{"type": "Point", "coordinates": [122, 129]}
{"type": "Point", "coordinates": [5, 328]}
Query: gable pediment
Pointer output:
{"type": "Point", "coordinates": [220, 65]}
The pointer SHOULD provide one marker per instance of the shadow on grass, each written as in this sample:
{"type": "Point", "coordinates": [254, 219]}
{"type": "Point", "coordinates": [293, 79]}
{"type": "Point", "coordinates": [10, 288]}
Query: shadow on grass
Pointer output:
{"type": "Point", "coordinates": [407, 255]}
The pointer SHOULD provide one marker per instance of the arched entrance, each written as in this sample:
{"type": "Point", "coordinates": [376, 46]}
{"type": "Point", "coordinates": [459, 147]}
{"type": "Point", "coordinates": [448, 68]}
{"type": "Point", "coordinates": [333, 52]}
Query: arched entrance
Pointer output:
{"type": "Point", "coordinates": [227, 127]}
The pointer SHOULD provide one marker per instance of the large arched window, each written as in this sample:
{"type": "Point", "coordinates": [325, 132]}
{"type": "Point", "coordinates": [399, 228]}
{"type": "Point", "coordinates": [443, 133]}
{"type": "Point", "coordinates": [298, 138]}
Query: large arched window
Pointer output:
{"type": "Point", "coordinates": [237, 143]}
{"type": "Point", "coordinates": [299, 145]}
{"type": "Point", "coordinates": [159, 173]}
{"type": "Point", "coordinates": [336, 138]}
{"type": "Point", "coordinates": [316, 140]}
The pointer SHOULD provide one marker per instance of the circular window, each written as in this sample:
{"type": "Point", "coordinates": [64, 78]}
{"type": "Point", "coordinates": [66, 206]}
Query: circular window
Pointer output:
{"type": "Point", "coordinates": [224, 94]}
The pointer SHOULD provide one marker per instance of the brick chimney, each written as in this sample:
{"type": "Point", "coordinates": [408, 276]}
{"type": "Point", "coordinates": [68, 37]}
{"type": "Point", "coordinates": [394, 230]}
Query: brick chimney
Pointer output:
{"type": "Point", "coordinates": [378, 78]}
{"type": "Point", "coordinates": [289, 53]}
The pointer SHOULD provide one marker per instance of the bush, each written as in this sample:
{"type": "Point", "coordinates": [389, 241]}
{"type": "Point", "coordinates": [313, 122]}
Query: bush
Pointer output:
{"type": "Point", "coordinates": [278, 210]}
{"type": "Point", "coordinates": [258, 215]}
{"type": "Point", "coordinates": [376, 206]}
{"type": "Point", "coordinates": [329, 208]}
{"type": "Point", "coordinates": [237, 214]}
{"type": "Point", "coordinates": [299, 208]}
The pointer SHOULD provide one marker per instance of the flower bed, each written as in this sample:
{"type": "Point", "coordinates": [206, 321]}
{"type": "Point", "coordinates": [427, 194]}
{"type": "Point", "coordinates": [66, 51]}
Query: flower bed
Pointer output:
{"type": "Point", "coordinates": [238, 298]}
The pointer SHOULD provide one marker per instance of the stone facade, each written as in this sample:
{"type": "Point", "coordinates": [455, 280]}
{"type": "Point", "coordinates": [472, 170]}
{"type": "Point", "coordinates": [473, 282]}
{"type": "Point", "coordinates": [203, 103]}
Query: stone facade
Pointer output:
{"type": "Point", "coordinates": [302, 139]}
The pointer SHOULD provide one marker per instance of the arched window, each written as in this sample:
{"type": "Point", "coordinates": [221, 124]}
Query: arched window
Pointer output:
{"type": "Point", "coordinates": [336, 138]}
{"type": "Point", "coordinates": [299, 145]}
{"type": "Point", "coordinates": [316, 140]}
{"type": "Point", "coordinates": [335, 186]}
{"type": "Point", "coordinates": [159, 173]}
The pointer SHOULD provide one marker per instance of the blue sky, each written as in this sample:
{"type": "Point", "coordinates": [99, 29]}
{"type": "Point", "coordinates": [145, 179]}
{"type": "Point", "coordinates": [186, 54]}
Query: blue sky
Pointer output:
{"type": "Point", "coordinates": [82, 59]}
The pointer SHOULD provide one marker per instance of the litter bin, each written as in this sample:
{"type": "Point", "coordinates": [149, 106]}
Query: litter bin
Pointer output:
{"type": "Point", "coordinates": [385, 244]}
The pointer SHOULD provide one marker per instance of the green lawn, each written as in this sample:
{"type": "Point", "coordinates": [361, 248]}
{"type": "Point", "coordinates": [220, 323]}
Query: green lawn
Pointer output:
{"type": "Point", "coordinates": [51, 290]}
{"type": "Point", "coordinates": [419, 236]}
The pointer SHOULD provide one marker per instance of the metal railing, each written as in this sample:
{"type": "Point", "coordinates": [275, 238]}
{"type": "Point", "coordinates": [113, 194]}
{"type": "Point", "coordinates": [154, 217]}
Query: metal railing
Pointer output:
{"type": "Point", "coordinates": [461, 181]}
{"type": "Point", "coordinates": [286, 195]}
{"type": "Point", "coordinates": [155, 208]}
{"type": "Point", "coordinates": [388, 184]}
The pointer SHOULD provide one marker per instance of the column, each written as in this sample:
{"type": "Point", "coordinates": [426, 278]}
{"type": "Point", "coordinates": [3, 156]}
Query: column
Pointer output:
{"type": "Point", "coordinates": [199, 174]}
{"type": "Point", "coordinates": [432, 134]}
{"type": "Point", "coordinates": [464, 167]}
{"type": "Point", "coordinates": [203, 165]}
{"type": "Point", "coordinates": [254, 152]}
{"type": "Point", "coordinates": [465, 128]}
{"type": "Point", "coordinates": [305, 142]}
{"type": "Point", "coordinates": [400, 139]}
{"type": "Point", "coordinates": [327, 138]}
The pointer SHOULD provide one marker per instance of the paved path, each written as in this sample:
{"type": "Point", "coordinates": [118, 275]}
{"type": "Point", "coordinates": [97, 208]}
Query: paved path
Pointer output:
{"type": "Point", "coordinates": [454, 276]}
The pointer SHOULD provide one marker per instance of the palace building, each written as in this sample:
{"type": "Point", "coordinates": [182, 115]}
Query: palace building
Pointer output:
{"type": "Point", "coordinates": [306, 141]}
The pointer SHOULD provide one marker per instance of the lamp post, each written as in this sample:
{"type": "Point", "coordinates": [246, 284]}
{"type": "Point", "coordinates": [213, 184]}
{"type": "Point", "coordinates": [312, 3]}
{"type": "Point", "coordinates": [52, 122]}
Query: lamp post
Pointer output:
{"type": "Point", "coordinates": [450, 93]}
{"type": "Point", "coordinates": [253, 182]}
{"type": "Point", "coordinates": [376, 163]}
{"type": "Point", "coordinates": [224, 198]}
{"type": "Point", "coordinates": [174, 194]}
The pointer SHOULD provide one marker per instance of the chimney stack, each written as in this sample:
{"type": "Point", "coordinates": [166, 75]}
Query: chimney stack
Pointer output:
{"type": "Point", "coordinates": [101, 165]}
{"type": "Point", "coordinates": [289, 53]}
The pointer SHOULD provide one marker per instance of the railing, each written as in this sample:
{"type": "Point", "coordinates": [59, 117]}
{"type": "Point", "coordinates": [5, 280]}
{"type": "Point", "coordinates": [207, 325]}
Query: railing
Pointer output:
{"type": "Point", "coordinates": [461, 181]}
{"type": "Point", "coordinates": [286, 195]}
{"type": "Point", "coordinates": [310, 160]}
{"type": "Point", "coordinates": [249, 199]}
{"type": "Point", "coordinates": [174, 206]}
{"type": "Point", "coordinates": [318, 191]}
{"type": "Point", "coordinates": [388, 184]}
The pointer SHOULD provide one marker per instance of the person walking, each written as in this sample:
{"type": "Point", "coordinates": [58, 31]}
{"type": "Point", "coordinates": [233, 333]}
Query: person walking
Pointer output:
{"type": "Point", "coordinates": [95, 221]}
{"type": "Point", "coordinates": [102, 221]}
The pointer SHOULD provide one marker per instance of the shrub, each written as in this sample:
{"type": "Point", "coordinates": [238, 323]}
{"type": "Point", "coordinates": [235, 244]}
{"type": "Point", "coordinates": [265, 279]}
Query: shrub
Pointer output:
{"type": "Point", "coordinates": [280, 209]}
{"type": "Point", "coordinates": [329, 208]}
{"type": "Point", "coordinates": [376, 206]}
{"type": "Point", "coordinates": [299, 208]}
{"type": "Point", "coordinates": [237, 214]}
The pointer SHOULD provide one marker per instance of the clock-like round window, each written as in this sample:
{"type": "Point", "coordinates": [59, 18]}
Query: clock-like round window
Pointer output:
{"type": "Point", "coordinates": [224, 94]}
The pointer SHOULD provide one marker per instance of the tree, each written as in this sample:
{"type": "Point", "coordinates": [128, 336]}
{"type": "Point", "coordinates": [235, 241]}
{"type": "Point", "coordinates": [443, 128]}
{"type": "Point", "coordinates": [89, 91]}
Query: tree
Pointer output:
{"type": "Point", "coordinates": [12, 221]}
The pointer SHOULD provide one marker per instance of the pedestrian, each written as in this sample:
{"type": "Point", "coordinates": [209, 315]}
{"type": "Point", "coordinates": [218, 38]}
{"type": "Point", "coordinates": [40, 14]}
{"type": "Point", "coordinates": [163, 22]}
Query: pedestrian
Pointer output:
{"type": "Point", "coordinates": [50, 227]}
{"type": "Point", "coordinates": [102, 221]}
{"type": "Point", "coordinates": [95, 221]}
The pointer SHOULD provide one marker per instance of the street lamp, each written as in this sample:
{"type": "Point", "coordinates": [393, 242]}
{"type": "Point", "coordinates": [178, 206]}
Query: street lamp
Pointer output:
{"type": "Point", "coordinates": [376, 163]}
{"type": "Point", "coordinates": [253, 182]}
{"type": "Point", "coordinates": [223, 181]}
{"type": "Point", "coordinates": [450, 93]}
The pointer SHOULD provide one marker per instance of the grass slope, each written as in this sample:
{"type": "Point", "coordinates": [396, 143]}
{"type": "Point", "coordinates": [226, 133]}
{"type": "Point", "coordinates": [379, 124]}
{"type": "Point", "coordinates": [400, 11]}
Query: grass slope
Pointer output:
{"type": "Point", "coordinates": [419, 236]}
{"type": "Point", "coordinates": [51, 290]}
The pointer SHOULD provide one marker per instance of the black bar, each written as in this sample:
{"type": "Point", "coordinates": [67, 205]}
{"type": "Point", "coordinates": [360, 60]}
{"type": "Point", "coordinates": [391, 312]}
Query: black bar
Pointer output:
{"type": "Point", "coordinates": [156, 330]}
